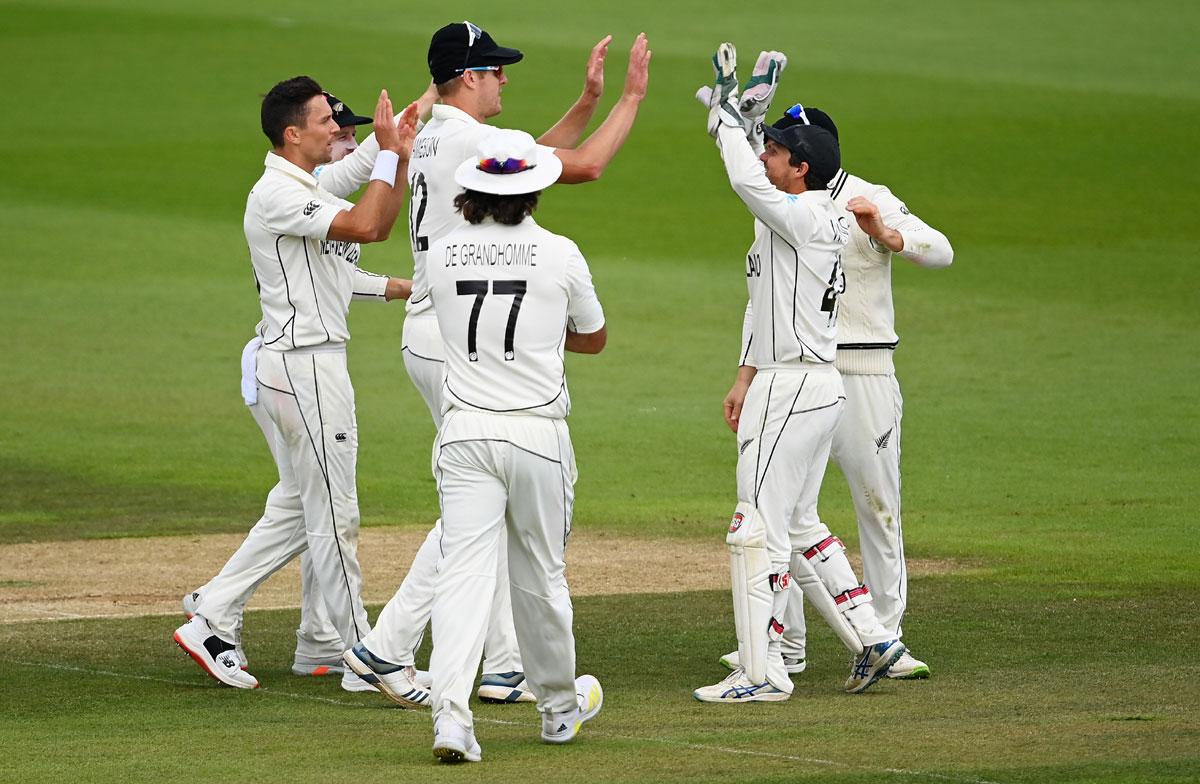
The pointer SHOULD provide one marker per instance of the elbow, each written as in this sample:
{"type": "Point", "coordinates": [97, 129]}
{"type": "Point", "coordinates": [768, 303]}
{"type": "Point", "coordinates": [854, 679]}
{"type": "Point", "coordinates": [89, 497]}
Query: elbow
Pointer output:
{"type": "Point", "coordinates": [577, 173]}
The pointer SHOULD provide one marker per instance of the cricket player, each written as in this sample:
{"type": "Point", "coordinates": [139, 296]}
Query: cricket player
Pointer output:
{"type": "Point", "coordinates": [304, 250]}
{"type": "Point", "coordinates": [866, 443]}
{"type": "Point", "coordinates": [792, 397]}
{"type": "Point", "coordinates": [318, 645]}
{"type": "Point", "coordinates": [469, 70]}
{"type": "Point", "coordinates": [510, 297]}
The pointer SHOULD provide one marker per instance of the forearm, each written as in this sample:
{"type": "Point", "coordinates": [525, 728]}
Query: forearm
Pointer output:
{"type": "Point", "coordinates": [567, 131]}
{"type": "Point", "coordinates": [371, 220]}
{"type": "Point", "coordinates": [586, 343]}
{"type": "Point", "coordinates": [926, 247]}
{"type": "Point", "coordinates": [590, 159]}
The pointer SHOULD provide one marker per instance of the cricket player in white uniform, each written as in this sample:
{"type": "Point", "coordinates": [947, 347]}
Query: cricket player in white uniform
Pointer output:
{"type": "Point", "coordinates": [303, 248]}
{"type": "Point", "coordinates": [318, 645]}
{"type": "Point", "coordinates": [467, 67]}
{"type": "Point", "coordinates": [866, 443]}
{"type": "Point", "coordinates": [791, 397]}
{"type": "Point", "coordinates": [509, 296]}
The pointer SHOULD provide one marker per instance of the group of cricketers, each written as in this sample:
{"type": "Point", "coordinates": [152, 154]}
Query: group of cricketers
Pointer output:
{"type": "Point", "coordinates": [494, 301]}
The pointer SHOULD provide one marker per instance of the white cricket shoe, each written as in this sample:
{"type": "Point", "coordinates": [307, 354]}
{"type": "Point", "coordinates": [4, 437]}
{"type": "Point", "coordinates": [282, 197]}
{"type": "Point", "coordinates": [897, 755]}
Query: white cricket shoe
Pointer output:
{"type": "Point", "coordinates": [504, 687]}
{"type": "Point", "coordinates": [215, 656]}
{"type": "Point", "coordinates": [908, 668]}
{"type": "Point", "coordinates": [737, 687]}
{"type": "Point", "coordinates": [191, 602]}
{"type": "Point", "coordinates": [793, 664]}
{"type": "Point", "coordinates": [397, 682]}
{"type": "Point", "coordinates": [872, 663]}
{"type": "Point", "coordinates": [452, 742]}
{"type": "Point", "coordinates": [562, 727]}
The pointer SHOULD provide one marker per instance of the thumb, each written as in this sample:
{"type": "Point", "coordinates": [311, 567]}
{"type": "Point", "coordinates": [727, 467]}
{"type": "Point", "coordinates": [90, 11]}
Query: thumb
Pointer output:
{"type": "Point", "coordinates": [704, 95]}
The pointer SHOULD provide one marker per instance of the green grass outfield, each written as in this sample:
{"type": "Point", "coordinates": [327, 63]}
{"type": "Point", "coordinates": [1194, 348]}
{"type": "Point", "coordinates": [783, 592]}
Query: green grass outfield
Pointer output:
{"type": "Point", "coordinates": [1052, 429]}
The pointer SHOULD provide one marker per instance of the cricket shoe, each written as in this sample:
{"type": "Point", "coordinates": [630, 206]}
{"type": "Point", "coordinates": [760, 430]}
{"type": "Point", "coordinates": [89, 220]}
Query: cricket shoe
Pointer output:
{"type": "Point", "coordinates": [306, 665]}
{"type": "Point", "coordinates": [908, 668]}
{"type": "Point", "coordinates": [215, 656]}
{"type": "Point", "coordinates": [397, 682]}
{"type": "Point", "coordinates": [793, 664]}
{"type": "Point", "coordinates": [737, 687]}
{"type": "Point", "coordinates": [562, 727]}
{"type": "Point", "coordinates": [352, 681]}
{"type": "Point", "coordinates": [191, 602]}
{"type": "Point", "coordinates": [872, 663]}
{"type": "Point", "coordinates": [504, 687]}
{"type": "Point", "coordinates": [452, 742]}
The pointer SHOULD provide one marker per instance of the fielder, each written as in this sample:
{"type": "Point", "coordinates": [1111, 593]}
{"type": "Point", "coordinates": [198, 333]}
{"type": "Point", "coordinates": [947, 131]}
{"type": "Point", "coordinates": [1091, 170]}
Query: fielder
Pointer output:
{"type": "Point", "coordinates": [791, 396]}
{"type": "Point", "coordinates": [509, 296]}
{"type": "Point", "coordinates": [866, 443]}
{"type": "Point", "coordinates": [468, 69]}
{"type": "Point", "coordinates": [318, 646]}
{"type": "Point", "coordinates": [303, 248]}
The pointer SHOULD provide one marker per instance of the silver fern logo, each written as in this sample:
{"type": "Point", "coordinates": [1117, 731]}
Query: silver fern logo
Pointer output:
{"type": "Point", "coordinates": [745, 444]}
{"type": "Point", "coordinates": [882, 442]}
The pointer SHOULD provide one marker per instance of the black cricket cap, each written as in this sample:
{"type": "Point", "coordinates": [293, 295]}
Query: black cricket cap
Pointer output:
{"type": "Point", "coordinates": [811, 143]}
{"type": "Point", "coordinates": [798, 114]}
{"type": "Point", "coordinates": [343, 115]}
{"type": "Point", "coordinates": [462, 45]}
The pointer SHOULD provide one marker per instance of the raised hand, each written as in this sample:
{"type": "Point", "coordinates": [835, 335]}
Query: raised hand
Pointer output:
{"type": "Point", "coordinates": [406, 129]}
{"type": "Point", "coordinates": [867, 215]}
{"type": "Point", "coordinates": [386, 132]}
{"type": "Point", "coordinates": [593, 83]}
{"type": "Point", "coordinates": [638, 76]}
{"type": "Point", "coordinates": [760, 88]}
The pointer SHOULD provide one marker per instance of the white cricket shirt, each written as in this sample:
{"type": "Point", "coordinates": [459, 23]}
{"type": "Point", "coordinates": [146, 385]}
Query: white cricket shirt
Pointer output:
{"type": "Point", "coordinates": [504, 298]}
{"type": "Point", "coordinates": [866, 322]}
{"type": "Point", "coordinates": [305, 282]}
{"type": "Point", "coordinates": [793, 269]}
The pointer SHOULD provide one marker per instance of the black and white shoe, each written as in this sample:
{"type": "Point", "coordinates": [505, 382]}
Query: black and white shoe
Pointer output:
{"type": "Point", "coordinates": [215, 656]}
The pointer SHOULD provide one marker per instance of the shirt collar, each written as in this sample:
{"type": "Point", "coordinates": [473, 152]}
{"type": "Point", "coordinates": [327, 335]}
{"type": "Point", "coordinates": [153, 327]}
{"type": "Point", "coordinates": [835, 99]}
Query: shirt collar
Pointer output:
{"type": "Point", "coordinates": [836, 177]}
{"type": "Point", "coordinates": [444, 111]}
{"type": "Point", "coordinates": [284, 166]}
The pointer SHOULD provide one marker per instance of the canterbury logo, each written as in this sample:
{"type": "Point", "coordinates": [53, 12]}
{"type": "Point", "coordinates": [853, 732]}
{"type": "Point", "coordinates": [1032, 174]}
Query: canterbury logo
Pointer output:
{"type": "Point", "coordinates": [882, 442]}
{"type": "Point", "coordinates": [340, 437]}
{"type": "Point", "coordinates": [311, 207]}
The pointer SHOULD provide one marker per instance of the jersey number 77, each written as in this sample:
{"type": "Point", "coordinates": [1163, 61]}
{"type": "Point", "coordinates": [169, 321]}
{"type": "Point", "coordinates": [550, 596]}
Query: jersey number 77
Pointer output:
{"type": "Point", "coordinates": [479, 289]}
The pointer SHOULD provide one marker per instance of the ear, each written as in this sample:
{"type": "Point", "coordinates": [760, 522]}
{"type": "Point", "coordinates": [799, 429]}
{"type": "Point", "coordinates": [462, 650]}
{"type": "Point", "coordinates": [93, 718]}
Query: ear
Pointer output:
{"type": "Point", "coordinates": [291, 135]}
{"type": "Point", "coordinates": [802, 169]}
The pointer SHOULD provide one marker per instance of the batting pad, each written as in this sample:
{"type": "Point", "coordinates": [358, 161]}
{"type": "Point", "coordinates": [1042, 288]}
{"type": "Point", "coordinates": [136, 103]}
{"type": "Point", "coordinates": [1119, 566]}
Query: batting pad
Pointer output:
{"type": "Point", "coordinates": [819, 597]}
{"type": "Point", "coordinates": [753, 599]}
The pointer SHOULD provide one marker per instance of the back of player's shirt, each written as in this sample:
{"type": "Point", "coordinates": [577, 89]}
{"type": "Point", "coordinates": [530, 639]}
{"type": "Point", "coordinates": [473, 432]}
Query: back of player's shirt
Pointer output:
{"type": "Point", "coordinates": [504, 297]}
{"type": "Point", "coordinates": [449, 138]}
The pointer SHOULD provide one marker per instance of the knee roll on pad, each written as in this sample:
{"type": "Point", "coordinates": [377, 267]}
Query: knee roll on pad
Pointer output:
{"type": "Point", "coordinates": [759, 595]}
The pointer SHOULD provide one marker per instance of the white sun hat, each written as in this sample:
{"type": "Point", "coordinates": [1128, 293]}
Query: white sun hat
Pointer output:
{"type": "Point", "coordinates": [507, 163]}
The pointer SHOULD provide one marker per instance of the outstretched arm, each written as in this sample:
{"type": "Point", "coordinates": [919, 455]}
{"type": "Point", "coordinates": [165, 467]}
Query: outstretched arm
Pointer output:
{"type": "Point", "coordinates": [590, 159]}
{"type": "Point", "coordinates": [566, 132]}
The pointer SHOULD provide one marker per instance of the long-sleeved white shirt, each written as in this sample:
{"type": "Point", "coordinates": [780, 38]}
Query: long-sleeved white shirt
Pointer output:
{"type": "Point", "coordinates": [793, 268]}
{"type": "Point", "coordinates": [866, 322]}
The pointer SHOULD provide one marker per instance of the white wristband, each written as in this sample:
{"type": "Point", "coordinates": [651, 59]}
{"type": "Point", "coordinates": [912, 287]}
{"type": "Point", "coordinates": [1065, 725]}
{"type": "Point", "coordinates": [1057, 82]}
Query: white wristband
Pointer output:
{"type": "Point", "coordinates": [386, 163]}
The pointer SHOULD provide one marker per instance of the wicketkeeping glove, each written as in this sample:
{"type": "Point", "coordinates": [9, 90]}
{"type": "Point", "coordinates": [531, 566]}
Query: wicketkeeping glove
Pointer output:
{"type": "Point", "coordinates": [722, 99]}
{"type": "Point", "coordinates": [760, 89]}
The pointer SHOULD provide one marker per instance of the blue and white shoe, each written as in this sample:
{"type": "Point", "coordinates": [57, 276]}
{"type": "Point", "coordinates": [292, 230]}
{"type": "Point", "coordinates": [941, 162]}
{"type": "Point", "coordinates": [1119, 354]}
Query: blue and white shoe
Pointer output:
{"type": "Point", "coordinates": [396, 681]}
{"type": "Point", "coordinates": [872, 664]}
{"type": "Point", "coordinates": [737, 687]}
{"type": "Point", "coordinates": [504, 687]}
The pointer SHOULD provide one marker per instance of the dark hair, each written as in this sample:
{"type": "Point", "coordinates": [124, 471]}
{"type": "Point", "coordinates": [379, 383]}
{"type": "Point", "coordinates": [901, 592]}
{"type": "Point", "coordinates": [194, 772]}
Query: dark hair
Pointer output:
{"type": "Point", "coordinates": [287, 105]}
{"type": "Point", "coordinates": [508, 210]}
{"type": "Point", "coordinates": [811, 181]}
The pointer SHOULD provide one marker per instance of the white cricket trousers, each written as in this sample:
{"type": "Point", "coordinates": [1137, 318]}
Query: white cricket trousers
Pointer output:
{"type": "Point", "coordinates": [316, 639]}
{"type": "Point", "coordinates": [866, 446]}
{"type": "Point", "coordinates": [516, 481]}
{"type": "Point", "coordinates": [401, 624]}
{"type": "Point", "coordinates": [308, 396]}
{"type": "Point", "coordinates": [785, 433]}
